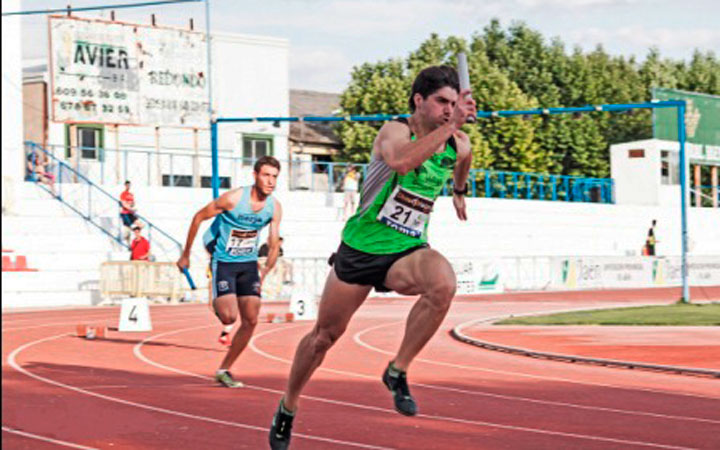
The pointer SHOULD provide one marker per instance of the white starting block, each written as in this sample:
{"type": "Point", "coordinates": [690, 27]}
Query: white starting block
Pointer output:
{"type": "Point", "coordinates": [135, 315]}
{"type": "Point", "coordinates": [304, 306]}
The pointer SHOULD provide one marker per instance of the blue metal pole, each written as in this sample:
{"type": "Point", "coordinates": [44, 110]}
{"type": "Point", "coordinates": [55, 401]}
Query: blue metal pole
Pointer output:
{"type": "Point", "coordinates": [683, 201]}
{"type": "Point", "coordinates": [488, 188]}
{"type": "Point", "coordinates": [501, 182]}
{"type": "Point", "coordinates": [214, 158]}
{"type": "Point", "coordinates": [215, 180]}
{"type": "Point", "coordinates": [480, 114]}
{"type": "Point", "coordinates": [528, 191]}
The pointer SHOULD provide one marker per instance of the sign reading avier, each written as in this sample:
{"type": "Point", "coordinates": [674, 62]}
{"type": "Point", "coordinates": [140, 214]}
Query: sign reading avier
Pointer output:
{"type": "Point", "coordinates": [108, 72]}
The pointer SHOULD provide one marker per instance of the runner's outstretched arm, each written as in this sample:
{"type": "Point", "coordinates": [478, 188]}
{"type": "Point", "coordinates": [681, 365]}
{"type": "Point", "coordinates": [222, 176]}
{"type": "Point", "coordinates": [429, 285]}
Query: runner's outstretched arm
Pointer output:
{"type": "Point", "coordinates": [212, 209]}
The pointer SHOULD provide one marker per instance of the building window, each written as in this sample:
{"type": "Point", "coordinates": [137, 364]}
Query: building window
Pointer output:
{"type": "Point", "coordinates": [88, 142]}
{"type": "Point", "coordinates": [177, 180]}
{"type": "Point", "coordinates": [669, 168]}
{"type": "Point", "coordinates": [255, 147]}
{"type": "Point", "coordinates": [206, 182]}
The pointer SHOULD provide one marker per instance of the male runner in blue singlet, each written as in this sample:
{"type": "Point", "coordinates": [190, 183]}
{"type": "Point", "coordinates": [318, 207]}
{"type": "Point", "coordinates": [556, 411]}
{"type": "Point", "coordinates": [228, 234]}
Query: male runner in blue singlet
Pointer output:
{"type": "Point", "coordinates": [232, 241]}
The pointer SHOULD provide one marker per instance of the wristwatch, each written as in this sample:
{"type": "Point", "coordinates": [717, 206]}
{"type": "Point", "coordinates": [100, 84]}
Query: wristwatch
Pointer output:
{"type": "Point", "coordinates": [463, 191]}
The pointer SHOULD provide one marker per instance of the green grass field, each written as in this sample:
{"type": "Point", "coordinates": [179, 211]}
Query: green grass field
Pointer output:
{"type": "Point", "coordinates": [677, 314]}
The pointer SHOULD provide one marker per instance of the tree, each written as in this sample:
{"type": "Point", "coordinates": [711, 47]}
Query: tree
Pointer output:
{"type": "Point", "coordinates": [384, 87]}
{"type": "Point", "coordinates": [518, 69]}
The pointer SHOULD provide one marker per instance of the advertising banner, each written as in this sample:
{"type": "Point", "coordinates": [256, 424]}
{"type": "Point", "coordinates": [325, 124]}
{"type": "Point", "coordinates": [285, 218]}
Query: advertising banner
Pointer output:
{"type": "Point", "coordinates": [614, 272]}
{"type": "Point", "coordinates": [477, 276]}
{"type": "Point", "coordinates": [114, 73]}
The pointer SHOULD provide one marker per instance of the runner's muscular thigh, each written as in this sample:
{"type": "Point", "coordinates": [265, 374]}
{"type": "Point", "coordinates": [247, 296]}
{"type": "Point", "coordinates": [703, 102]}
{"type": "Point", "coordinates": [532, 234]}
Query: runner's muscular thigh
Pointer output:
{"type": "Point", "coordinates": [339, 302]}
{"type": "Point", "coordinates": [226, 305]}
{"type": "Point", "coordinates": [417, 272]}
{"type": "Point", "coordinates": [249, 306]}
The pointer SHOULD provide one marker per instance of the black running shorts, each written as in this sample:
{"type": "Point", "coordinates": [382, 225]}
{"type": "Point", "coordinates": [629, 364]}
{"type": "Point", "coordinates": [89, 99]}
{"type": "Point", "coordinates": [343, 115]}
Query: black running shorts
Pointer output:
{"type": "Point", "coordinates": [240, 278]}
{"type": "Point", "coordinates": [356, 267]}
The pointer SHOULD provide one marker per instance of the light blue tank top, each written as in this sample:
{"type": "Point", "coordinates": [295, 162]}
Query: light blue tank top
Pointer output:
{"type": "Point", "coordinates": [234, 235]}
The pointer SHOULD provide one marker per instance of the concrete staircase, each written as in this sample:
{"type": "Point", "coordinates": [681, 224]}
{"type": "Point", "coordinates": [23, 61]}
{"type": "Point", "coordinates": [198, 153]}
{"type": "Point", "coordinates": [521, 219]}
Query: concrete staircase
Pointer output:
{"type": "Point", "coordinates": [68, 251]}
{"type": "Point", "coordinates": [62, 246]}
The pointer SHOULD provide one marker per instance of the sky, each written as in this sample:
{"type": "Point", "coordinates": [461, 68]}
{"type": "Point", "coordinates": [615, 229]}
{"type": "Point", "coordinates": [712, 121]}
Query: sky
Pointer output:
{"type": "Point", "coordinates": [328, 37]}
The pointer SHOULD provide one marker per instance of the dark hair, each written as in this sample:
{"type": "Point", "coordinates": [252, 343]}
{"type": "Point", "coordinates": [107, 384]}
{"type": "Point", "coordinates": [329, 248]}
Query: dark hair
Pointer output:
{"type": "Point", "coordinates": [432, 79]}
{"type": "Point", "coordinates": [136, 228]}
{"type": "Point", "coordinates": [127, 181]}
{"type": "Point", "coordinates": [266, 161]}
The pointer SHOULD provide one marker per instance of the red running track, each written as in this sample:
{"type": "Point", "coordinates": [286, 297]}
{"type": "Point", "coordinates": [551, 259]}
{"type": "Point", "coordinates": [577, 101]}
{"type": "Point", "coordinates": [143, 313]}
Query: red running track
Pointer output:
{"type": "Point", "coordinates": [154, 390]}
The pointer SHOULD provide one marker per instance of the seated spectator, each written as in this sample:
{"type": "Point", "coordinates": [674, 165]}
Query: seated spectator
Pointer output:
{"type": "Point", "coordinates": [127, 209]}
{"type": "Point", "coordinates": [38, 169]}
{"type": "Point", "coordinates": [140, 247]}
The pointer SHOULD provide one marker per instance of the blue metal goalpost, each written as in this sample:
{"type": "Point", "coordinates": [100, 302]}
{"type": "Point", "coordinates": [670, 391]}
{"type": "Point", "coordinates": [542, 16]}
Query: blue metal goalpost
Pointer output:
{"type": "Point", "coordinates": [680, 105]}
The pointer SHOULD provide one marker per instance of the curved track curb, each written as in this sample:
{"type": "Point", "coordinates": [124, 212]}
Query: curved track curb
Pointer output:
{"type": "Point", "coordinates": [457, 333]}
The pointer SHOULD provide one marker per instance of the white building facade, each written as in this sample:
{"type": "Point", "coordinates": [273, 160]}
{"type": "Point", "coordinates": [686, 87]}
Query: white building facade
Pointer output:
{"type": "Point", "coordinates": [249, 78]}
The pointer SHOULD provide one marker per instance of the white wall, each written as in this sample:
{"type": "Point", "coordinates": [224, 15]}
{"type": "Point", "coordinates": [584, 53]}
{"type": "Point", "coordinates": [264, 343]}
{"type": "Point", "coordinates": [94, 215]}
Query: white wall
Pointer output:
{"type": "Point", "coordinates": [526, 236]}
{"type": "Point", "coordinates": [12, 106]}
{"type": "Point", "coordinates": [496, 227]}
{"type": "Point", "coordinates": [638, 180]}
{"type": "Point", "coordinates": [525, 228]}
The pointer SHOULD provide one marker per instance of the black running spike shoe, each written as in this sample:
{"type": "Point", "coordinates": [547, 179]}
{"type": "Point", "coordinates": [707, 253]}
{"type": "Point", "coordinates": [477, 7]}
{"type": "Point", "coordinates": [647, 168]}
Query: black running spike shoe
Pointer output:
{"type": "Point", "coordinates": [280, 431]}
{"type": "Point", "coordinates": [396, 382]}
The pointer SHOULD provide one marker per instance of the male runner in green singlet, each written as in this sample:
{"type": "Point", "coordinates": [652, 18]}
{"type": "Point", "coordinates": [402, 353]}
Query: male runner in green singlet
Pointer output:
{"type": "Point", "coordinates": [384, 245]}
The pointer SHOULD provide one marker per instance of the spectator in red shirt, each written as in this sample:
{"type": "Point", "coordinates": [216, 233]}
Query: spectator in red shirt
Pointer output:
{"type": "Point", "coordinates": [140, 247]}
{"type": "Point", "coordinates": [127, 210]}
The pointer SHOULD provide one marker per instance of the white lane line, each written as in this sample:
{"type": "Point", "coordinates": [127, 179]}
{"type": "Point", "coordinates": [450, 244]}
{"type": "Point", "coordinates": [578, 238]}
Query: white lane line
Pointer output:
{"type": "Point", "coordinates": [45, 439]}
{"type": "Point", "coordinates": [520, 374]}
{"type": "Point", "coordinates": [378, 409]}
{"type": "Point", "coordinates": [452, 419]}
{"type": "Point", "coordinates": [89, 321]}
{"type": "Point", "coordinates": [12, 361]}
{"type": "Point", "coordinates": [357, 337]}
{"type": "Point", "coordinates": [137, 350]}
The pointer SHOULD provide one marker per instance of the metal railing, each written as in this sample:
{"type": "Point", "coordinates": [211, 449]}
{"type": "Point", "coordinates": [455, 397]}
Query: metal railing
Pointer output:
{"type": "Point", "coordinates": [94, 204]}
{"type": "Point", "coordinates": [189, 168]}
{"type": "Point", "coordinates": [709, 196]}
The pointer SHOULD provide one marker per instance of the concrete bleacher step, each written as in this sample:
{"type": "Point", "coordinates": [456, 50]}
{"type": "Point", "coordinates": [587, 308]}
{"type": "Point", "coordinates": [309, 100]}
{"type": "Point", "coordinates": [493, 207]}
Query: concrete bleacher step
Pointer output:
{"type": "Point", "coordinates": [55, 244]}
{"type": "Point", "coordinates": [61, 226]}
{"type": "Point", "coordinates": [57, 241]}
{"type": "Point", "coordinates": [62, 261]}
{"type": "Point", "coordinates": [23, 299]}
{"type": "Point", "coordinates": [43, 281]}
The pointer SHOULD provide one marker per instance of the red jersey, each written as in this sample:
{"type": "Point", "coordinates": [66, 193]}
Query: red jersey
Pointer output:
{"type": "Point", "coordinates": [140, 249]}
{"type": "Point", "coordinates": [127, 197]}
